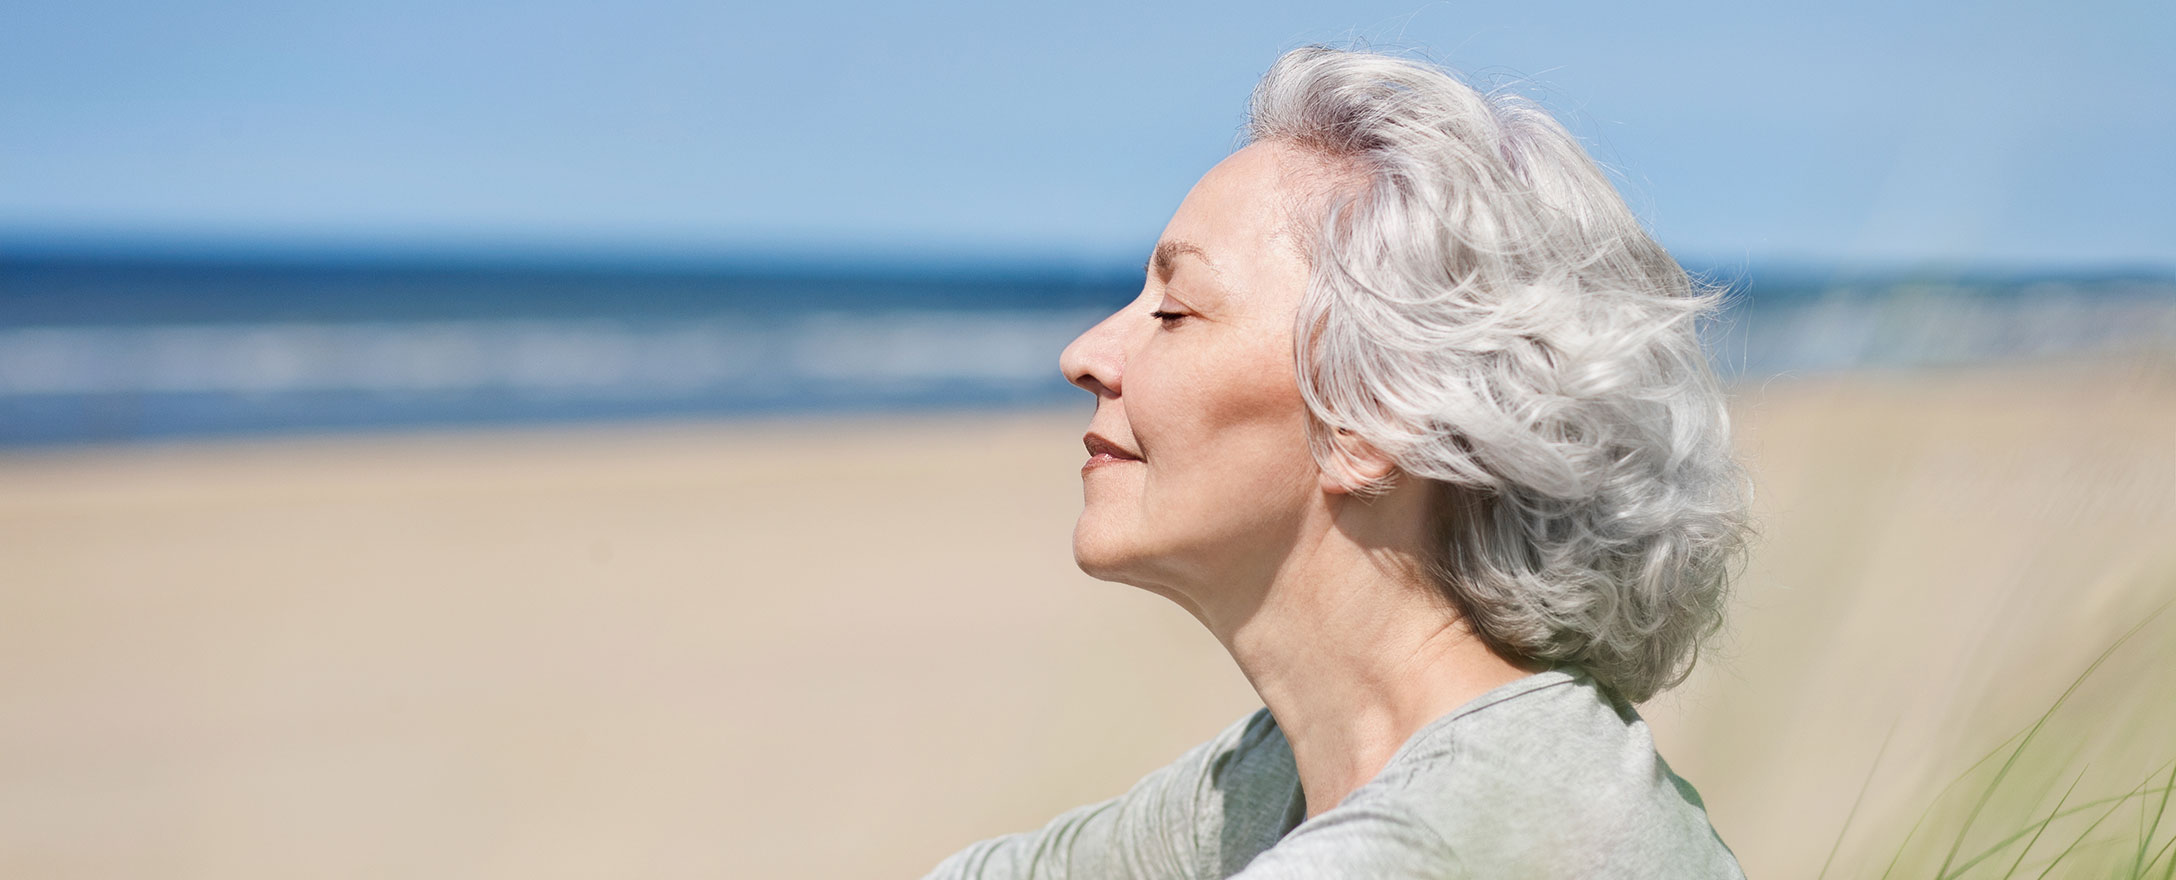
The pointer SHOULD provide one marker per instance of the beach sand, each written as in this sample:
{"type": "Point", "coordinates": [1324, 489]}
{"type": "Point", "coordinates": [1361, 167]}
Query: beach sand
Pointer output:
{"type": "Point", "coordinates": [846, 647]}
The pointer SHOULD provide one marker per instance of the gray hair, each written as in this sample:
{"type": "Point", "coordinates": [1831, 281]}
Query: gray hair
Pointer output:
{"type": "Point", "coordinates": [1485, 310]}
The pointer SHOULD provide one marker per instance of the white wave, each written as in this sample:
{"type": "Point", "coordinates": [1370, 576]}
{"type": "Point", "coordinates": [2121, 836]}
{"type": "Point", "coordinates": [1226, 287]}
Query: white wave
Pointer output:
{"type": "Point", "coordinates": [577, 357]}
{"type": "Point", "coordinates": [1943, 325]}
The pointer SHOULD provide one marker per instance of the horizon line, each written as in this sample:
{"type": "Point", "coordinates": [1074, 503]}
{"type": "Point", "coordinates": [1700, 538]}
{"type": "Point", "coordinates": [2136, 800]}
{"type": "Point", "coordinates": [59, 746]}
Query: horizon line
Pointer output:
{"type": "Point", "coordinates": [815, 259]}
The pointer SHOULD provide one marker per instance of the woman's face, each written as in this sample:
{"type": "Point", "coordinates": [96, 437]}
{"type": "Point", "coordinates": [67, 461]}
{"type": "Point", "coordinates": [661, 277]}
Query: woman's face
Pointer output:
{"type": "Point", "coordinates": [1208, 470]}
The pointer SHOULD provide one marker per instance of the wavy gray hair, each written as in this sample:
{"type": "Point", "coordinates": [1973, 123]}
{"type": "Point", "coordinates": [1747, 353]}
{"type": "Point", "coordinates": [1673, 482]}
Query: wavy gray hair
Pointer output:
{"type": "Point", "coordinates": [1485, 310]}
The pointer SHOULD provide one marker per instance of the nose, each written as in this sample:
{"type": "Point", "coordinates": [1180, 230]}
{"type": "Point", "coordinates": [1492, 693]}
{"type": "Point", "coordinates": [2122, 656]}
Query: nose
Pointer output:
{"type": "Point", "coordinates": [1095, 359]}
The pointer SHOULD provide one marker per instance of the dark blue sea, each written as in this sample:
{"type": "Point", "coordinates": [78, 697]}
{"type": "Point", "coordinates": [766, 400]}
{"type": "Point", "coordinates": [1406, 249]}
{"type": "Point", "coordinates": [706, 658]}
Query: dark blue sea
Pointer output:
{"type": "Point", "coordinates": [103, 350]}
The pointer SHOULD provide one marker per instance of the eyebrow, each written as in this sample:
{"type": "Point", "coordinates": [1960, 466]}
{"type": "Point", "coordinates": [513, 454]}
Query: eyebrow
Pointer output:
{"type": "Point", "coordinates": [1168, 251]}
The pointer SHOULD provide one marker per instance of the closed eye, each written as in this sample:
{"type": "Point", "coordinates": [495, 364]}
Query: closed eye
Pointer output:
{"type": "Point", "coordinates": [1169, 318]}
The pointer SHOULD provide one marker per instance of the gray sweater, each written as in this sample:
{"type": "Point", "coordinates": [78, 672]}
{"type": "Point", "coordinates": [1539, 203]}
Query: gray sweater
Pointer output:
{"type": "Point", "coordinates": [1550, 776]}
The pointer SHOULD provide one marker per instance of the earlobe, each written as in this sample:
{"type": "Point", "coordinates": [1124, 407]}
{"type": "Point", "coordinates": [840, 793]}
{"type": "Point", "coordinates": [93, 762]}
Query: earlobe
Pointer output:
{"type": "Point", "coordinates": [1359, 466]}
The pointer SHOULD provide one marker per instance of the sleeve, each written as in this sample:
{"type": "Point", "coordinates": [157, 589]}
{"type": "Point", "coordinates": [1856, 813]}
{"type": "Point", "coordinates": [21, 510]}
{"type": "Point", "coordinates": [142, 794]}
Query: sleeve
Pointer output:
{"type": "Point", "coordinates": [1354, 842]}
{"type": "Point", "coordinates": [1149, 833]}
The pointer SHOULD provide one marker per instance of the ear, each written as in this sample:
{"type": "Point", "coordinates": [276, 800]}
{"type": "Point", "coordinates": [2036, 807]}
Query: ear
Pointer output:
{"type": "Point", "coordinates": [1363, 466]}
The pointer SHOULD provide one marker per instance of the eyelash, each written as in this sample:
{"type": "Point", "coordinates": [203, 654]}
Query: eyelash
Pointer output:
{"type": "Point", "coordinates": [1167, 317]}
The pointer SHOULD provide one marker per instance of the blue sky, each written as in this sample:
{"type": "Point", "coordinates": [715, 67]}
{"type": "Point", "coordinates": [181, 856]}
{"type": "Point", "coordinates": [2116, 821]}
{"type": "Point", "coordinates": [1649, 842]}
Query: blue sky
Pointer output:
{"type": "Point", "coordinates": [1954, 133]}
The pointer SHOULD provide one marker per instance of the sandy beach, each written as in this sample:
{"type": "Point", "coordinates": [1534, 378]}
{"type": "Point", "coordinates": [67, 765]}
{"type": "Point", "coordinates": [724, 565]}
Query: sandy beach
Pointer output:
{"type": "Point", "coordinates": [848, 646]}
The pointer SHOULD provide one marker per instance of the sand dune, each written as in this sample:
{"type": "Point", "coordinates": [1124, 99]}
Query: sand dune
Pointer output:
{"type": "Point", "coordinates": [846, 647]}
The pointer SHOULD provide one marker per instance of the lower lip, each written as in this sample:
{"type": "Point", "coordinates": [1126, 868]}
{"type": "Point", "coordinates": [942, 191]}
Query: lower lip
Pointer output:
{"type": "Point", "coordinates": [1105, 460]}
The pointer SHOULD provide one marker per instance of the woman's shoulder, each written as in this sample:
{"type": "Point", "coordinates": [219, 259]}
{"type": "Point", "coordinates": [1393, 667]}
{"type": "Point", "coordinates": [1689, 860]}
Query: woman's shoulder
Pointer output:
{"type": "Point", "coordinates": [1550, 725]}
{"type": "Point", "coordinates": [1551, 770]}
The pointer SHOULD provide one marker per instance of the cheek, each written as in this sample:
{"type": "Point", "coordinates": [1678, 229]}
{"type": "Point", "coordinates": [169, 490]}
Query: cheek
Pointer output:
{"type": "Point", "coordinates": [1229, 427]}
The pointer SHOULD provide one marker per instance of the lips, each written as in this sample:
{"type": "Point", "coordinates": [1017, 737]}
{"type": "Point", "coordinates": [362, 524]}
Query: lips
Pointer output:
{"type": "Point", "coordinates": [1101, 448]}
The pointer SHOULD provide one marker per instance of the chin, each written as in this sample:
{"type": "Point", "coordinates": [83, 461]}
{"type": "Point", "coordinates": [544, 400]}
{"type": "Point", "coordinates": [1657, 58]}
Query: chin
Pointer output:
{"type": "Point", "coordinates": [1106, 553]}
{"type": "Point", "coordinates": [1095, 552]}
{"type": "Point", "coordinates": [1102, 557]}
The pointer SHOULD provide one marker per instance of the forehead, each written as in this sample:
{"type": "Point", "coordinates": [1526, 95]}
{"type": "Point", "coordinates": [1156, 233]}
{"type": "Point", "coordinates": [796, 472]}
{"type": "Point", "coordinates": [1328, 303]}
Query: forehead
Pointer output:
{"type": "Point", "coordinates": [1249, 202]}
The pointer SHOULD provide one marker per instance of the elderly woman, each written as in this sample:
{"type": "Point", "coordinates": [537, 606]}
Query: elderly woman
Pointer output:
{"type": "Point", "coordinates": [1411, 414]}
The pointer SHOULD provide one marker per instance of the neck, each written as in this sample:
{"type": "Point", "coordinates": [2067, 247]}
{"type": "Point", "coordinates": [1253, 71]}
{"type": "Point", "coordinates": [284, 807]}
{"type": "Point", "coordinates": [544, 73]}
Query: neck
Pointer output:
{"type": "Point", "coordinates": [1353, 651]}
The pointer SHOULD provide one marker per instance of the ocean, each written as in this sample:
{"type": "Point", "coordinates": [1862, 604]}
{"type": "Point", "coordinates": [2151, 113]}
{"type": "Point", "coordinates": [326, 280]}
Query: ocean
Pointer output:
{"type": "Point", "coordinates": [116, 350]}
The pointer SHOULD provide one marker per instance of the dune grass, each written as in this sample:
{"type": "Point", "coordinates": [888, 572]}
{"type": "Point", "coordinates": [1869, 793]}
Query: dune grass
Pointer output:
{"type": "Point", "coordinates": [1995, 820]}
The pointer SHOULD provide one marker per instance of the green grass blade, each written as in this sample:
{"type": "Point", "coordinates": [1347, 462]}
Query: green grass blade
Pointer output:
{"type": "Point", "coordinates": [2012, 872]}
{"type": "Point", "coordinates": [2168, 872]}
{"type": "Point", "coordinates": [1901, 847]}
{"type": "Point", "coordinates": [2007, 765]}
{"type": "Point", "coordinates": [2059, 857]}
{"type": "Point", "coordinates": [1944, 793]}
{"type": "Point", "coordinates": [2086, 847]}
{"type": "Point", "coordinates": [2117, 801]}
{"type": "Point", "coordinates": [2139, 865]}
{"type": "Point", "coordinates": [1863, 786]}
